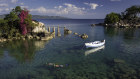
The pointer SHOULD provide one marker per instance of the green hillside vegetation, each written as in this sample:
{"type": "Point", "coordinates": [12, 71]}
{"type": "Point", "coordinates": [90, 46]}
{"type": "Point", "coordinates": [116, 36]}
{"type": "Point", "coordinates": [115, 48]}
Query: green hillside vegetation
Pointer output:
{"type": "Point", "coordinates": [41, 17]}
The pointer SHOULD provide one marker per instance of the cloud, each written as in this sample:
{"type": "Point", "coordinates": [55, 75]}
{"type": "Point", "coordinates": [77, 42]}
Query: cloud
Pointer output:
{"type": "Point", "coordinates": [115, 0]}
{"type": "Point", "coordinates": [3, 0]}
{"type": "Point", "coordinates": [14, 1]}
{"type": "Point", "coordinates": [7, 9]}
{"type": "Point", "coordinates": [64, 9]}
{"type": "Point", "coordinates": [74, 9]}
{"type": "Point", "coordinates": [58, 7]}
{"type": "Point", "coordinates": [24, 7]}
{"type": "Point", "coordinates": [21, 3]}
{"type": "Point", "coordinates": [1, 10]}
{"type": "Point", "coordinates": [3, 5]}
{"type": "Point", "coordinates": [39, 10]}
{"type": "Point", "coordinates": [92, 5]}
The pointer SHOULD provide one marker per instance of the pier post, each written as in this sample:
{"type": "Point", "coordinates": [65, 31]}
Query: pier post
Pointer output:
{"type": "Point", "coordinates": [58, 31]}
{"type": "Point", "coordinates": [53, 29]}
{"type": "Point", "coordinates": [48, 29]}
{"type": "Point", "coordinates": [64, 28]}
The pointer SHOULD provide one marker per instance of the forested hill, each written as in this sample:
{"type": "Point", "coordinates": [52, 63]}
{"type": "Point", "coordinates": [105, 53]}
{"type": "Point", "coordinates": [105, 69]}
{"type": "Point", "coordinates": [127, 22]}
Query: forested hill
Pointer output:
{"type": "Point", "coordinates": [42, 17]}
{"type": "Point", "coordinates": [47, 17]}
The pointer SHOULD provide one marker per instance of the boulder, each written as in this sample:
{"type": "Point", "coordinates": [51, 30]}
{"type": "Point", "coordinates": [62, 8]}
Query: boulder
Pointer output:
{"type": "Point", "coordinates": [23, 38]}
{"type": "Point", "coordinates": [29, 36]}
{"type": "Point", "coordinates": [46, 38]}
{"type": "Point", "coordinates": [40, 27]}
{"type": "Point", "coordinates": [75, 33]}
{"type": "Point", "coordinates": [92, 24]}
{"type": "Point", "coordinates": [37, 37]}
{"type": "Point", "coordinates": [66, 31]}
{"type": "Point", "coordinates": [84, 36]}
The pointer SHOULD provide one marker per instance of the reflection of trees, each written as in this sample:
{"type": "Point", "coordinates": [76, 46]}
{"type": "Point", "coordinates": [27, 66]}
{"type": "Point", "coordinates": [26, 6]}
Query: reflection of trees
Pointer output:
{"type": "Point", "coordinates": [1, 51]}
{"type": "Point", "coordinates": [111, 31]}
{"type": "Point", "coordinates": [24, 50]}
{"type": "Point", "coordinates": [129, 33]}
{"type": "Point", "coordinates": [126, 33]}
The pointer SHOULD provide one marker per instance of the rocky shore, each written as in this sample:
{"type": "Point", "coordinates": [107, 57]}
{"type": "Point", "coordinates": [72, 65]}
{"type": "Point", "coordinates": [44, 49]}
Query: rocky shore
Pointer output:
{"type": "Point", "coordinates": [117, 25]}
{"type": "Point", "coordinates": [38, 33]}
{"type": "Point", "coordinates": [41, 33]}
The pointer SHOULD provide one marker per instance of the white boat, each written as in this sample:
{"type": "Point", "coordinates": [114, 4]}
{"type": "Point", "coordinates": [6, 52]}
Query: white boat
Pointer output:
{"type": "Point", "coordinates": [94, 50]}
{"type": "Point", "coordinates": [95, 44]}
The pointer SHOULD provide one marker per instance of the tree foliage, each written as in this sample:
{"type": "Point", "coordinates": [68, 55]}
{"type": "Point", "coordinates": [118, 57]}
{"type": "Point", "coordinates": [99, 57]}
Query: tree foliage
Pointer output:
{"type": "Point", "coordinates": [132, 12]}
{"type": "Point", "coordinates": [23, 15]}
{"type": "Point", "coordinates": [18, 21]}
{"type": "Point", "coordinates": [112, 18]}
{"type": "Point", "coordinates": [132, 15]}
{"type": "Point", "coordinates": [25, 21]}
{"type": "Point", "coordinates": [13, 24]}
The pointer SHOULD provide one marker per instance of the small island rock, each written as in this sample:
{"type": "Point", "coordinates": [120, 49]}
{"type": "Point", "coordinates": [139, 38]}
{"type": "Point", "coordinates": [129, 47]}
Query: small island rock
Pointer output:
{"type": "Point", "coordinates": [84, 36]}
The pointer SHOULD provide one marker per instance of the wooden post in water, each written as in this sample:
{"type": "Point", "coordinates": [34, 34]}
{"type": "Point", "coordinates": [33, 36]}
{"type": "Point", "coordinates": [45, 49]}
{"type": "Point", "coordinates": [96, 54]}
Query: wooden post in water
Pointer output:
{"type": "Point", "coordinates": [64, 28]}
{"type": "Point", "coordinates": [58, 31]}
{"type": "Point", "coordinates": [53, 29]}
{"type": "Point", "coordinates": [48, 29]}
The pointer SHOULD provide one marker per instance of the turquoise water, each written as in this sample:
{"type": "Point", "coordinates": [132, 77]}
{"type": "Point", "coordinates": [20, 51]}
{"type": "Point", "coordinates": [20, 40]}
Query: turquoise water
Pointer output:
{"type": "Point", "coordinates": [30, 59]}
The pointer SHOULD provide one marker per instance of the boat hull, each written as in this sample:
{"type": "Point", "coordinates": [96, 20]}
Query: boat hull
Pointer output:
{"type": "Point", "coordinates": [94, 44]}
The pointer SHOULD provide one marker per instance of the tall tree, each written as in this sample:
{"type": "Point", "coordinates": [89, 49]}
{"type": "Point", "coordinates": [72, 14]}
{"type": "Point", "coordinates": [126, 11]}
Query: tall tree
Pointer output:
{"type": "Point", "coordinates": [17, 10]}
{"type": "Point", "coordinates": [23, 15]}
{"type": "Point", "coordinates": [112, 18]}
{"type": "Point", "coordinates": [132, 15]}
{"type": "Point", "coordinates": [13, 21]}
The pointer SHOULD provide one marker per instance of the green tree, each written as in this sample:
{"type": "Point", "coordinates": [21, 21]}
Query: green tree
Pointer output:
{"type": "Point", "coordinates": [13, 24]}
{"type": "Point", "coordinates": [4, 28]}
{"type": "Point", "coordinates": [132, 12]}
{"type": "Point", "coordinates": [17, 10]}
{"type": "Point", "coordinates": [10, 26]}
{"type": "Point", "coordinates": [112, 18]}
{"type": "Point", "coordinates": [132, 15]}
{"type": "Point", "coordinates": [28, 22]}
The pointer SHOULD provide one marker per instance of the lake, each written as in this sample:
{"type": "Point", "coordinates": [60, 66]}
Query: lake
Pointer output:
{"type": "Point", "coordinates": [66, 57]}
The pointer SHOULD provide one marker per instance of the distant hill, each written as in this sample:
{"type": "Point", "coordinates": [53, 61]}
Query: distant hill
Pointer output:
{"type": "Point", "coordinates": [2, 16]}
{"type": "Point", "coordinates": [42, 17]}
{"type": "Point", "coordinates": [47, 17]}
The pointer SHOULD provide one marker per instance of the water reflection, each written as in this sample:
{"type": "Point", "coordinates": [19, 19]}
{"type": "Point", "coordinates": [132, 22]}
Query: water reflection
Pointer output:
{"type": "Point", "coordinates": [129, 33]}
{"type": "Point", "coordinates": [23, 50]}
{"type": "Point", "coordinates": [111, 31]}
{"type": "Point", "coordinates": [93, 50]}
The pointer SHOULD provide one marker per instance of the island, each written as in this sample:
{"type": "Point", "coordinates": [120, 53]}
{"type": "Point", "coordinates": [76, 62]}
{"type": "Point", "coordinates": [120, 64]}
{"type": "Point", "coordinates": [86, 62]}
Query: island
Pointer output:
{"type": "Point", "coordinates": [130, 18]}
{"type": "Point", "coordinates": [18, 24]}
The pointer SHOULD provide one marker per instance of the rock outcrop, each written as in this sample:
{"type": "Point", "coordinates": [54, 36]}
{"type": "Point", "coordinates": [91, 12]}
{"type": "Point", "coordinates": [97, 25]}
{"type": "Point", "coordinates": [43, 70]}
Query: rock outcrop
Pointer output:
{"type": "Point", "coordinates": [39, 27]}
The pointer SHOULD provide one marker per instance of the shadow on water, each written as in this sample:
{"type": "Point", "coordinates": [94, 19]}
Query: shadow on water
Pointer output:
{"type": "Point", "coordinates": [129, 33]}
{"type": "Point", "coordinates": [23, 50]}
{"type": "Point", "coordinates": [111, 31]}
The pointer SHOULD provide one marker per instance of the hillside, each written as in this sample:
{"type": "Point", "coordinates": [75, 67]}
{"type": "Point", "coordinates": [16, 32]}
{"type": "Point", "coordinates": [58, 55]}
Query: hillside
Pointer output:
{"type": "Point", "coordinates": [42, 17]}
{"type": "Point", "coordinates": [47, 17]}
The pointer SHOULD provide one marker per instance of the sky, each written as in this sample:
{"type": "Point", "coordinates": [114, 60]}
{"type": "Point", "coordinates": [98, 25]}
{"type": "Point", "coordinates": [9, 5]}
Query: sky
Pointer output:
{"type": "Point", "coordinates": [76, 9]}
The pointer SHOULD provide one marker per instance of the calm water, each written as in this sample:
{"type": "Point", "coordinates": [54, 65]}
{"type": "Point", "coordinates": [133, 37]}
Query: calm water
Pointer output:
{"type": "Point", "coordinates": [118, 59]}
